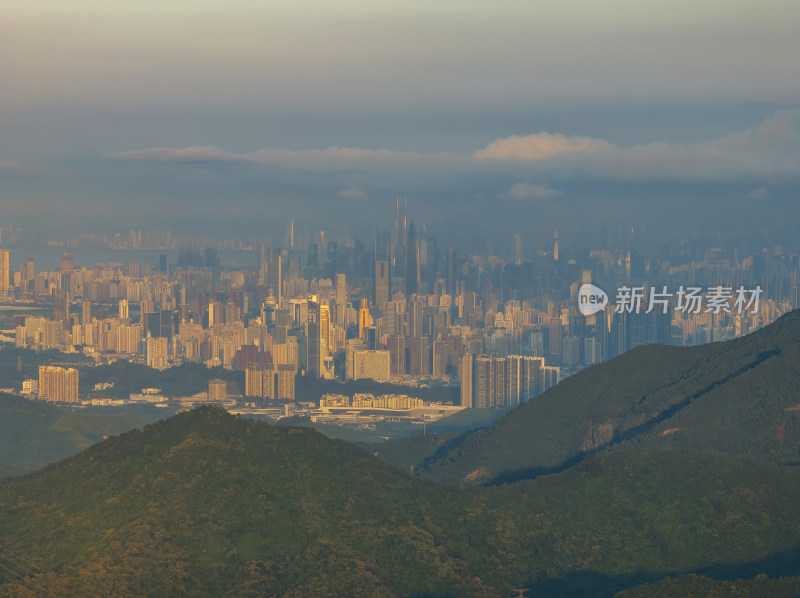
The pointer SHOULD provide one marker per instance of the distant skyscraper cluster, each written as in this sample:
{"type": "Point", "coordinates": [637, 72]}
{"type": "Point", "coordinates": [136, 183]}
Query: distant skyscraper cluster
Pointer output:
{"type": "Point", "coordinates": [399, 308]}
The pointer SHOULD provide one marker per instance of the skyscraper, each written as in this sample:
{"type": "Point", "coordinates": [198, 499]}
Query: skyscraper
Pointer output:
{"type": "Point", "coordinates": [381, 283]}
{"type": "Point", "coordinates": [123, 309]}
{"type": "Point", "coordinates": [466, 374]}
{"type": "Point", "coordinates": [555, 246]}
{"type": "Point", "coordinates": [314, 354]}
{"type": "Point", "coordinates": [5, 273]}
{"type": "Point", "coordinates": [364, 319]}
{"type": "Point", "coordinates": [484, 382]}
{"type": "Point", "coordinates": [58, 385]}
{"type": "Point", "coordinates": [274, 278]}
{"type": "Point", "coordinates": [157, 353]}
{"type": "Point", "coordinates": [517, 254]}
{"type": "Point", "coordinates": [325, 330]}
{"type": "Point", "coordinates": [60, 305]}
{"type": "Point", "coordinates": [412, 262]}
{"type": "Point", "coordinates": [28, 270]}
{"type": "Point", "coordinates": [341, 300]}
{"type": "Point", "coordinates": [86, 312]}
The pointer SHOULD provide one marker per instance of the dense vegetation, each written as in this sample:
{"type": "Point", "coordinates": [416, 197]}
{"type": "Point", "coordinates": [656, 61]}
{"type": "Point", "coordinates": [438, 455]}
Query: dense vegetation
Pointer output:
{"type": "Point", "coordinates": [17, 364]}
{"type": "Point", "coordinates": [738, 397]}
{"type": "Point", "coordinates": [697, 586]}
{"type": "Point", "coordinates": [208, 504]}
{"type": "Point", "coordinates": [182, 381]}
{"type": "Point", "coordinates": [666, 472]}
{"type": "Point", "coordinates": [34, 433]}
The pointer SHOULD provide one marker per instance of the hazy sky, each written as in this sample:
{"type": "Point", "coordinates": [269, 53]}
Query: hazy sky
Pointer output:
{"type": "Point", "coordinates": [508, 116]}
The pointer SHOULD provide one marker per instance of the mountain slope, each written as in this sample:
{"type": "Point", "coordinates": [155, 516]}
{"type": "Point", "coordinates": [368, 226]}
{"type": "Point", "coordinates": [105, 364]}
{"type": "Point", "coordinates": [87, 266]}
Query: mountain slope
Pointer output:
{"type": "Point", "coordinates": [737, 396]}
{"type": "Point", "coordinates": [34, 433]}
{"type": "Point", "coordinates": [207, 504]}
{"type": "Point", "coordinates": [204, 502]}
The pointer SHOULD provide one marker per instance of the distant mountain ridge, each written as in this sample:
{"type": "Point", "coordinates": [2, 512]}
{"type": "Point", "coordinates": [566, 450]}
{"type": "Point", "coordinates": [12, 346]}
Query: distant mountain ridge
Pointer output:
{"type": "Point", "coordinates": [739, 397]}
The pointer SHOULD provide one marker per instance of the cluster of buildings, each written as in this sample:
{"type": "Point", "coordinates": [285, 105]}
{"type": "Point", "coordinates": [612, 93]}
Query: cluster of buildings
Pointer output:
{"type": "Point", "coordinates": [398, 308]}
{"type": "Point", "coordinates": [365, 409]}
{"type": "Point", "coordinates": [489, 382]}
{"type": "Point", "coordinates": [369, 401]}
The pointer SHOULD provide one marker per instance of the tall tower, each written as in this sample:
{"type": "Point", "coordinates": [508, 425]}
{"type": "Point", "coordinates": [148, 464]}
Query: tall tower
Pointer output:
{"type": "Point", "coordinates": [395, 232]}
{"type": "Point", "coordinates": [364, 319]}
{"type": "Point", "coordinates": [341, 300]}
{"type": "Point", "coordinates": [5, 273]}
{"type": "Point", "coordinates": [325, 331]}
{"type": "Point", "coordinates": [412, 262]}
{"type": "Point", "coordinates": [314, 353]}
{"type": "Point", "coordinates": [518, 256]}
{"type": "Point", "coordinates": [382, 283]}
{"type": "Point", "coordinates": [274, 274]}
{"type": "Point", "coordinates": [86, 312]}
{"type": "Point", "coordinates": [123, 309]}
{"type": "Point", "coordinates": [555, 246]}
{"type": "Point", "coordinates": [405, 214]}
{"type": "Point", "coordinates": [60, 305]}
{"type": "Point", "coordinates": [466, 372]}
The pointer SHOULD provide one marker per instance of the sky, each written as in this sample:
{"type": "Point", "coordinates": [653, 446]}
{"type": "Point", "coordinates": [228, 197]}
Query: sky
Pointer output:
{"type": "Point", "coordinates": [490, 118]}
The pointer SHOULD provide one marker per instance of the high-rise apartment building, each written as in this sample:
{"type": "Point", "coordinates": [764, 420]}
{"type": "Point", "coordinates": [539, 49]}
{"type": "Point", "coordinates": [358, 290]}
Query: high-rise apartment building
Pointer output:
{"type": "Point", "coordinates": [341, 300]}
{"type": "Point", "coordinates": [157, 352]}
{"type": "Point", "coordinates": [412, 262]}
{"type": "Point", "coordinates": [371, 364]}
{"type": "Point", "coordinates": [60, 301]}
{"type": "Point", "coordinates": [217, 390]}
{"type": "Point", "coordinates": [490, 382]}
{"type": "Point", "coordinates": [270, 381]}
{"type": "Point", "coordinates": [314, 350]}
{"type": "Point", "coordinates": [58, 385]}
{"type": "Point", "coordinates": [467, 375]}
{"type": "Point", "coordinates": [364, 320]}
{"type": "Point", "coordinates": [5, 273]}
{"type": "Point", "coordinates": [381, 284]}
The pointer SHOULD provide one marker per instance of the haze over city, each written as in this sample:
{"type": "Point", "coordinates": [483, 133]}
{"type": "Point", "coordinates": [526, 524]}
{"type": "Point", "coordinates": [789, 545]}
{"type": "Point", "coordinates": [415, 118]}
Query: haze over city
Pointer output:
{"type": "Point", "coordinates": [492, 119]}
{"type": "Point", "coordinates": [399, 298]}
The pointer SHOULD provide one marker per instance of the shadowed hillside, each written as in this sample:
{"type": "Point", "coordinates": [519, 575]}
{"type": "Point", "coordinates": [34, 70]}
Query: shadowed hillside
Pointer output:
{"type": "Point", "coordinates": [739, 397]}
{"type": "Point", "coordinates": [208, 504]}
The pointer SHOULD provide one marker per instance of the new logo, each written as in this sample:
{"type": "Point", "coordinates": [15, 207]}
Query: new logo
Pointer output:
{"type": "Point", "coordinates": [591, 299]}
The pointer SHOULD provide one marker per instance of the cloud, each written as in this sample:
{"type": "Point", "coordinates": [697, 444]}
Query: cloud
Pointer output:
{"type": "Point", "coordinates": [759, 193]}
{"type": "Point", "coordinates": [537, 147]}
{"type": "Point", "coordinates": [172, 154]}
{"type": "Point", "coordinates": [345, 158]}
{"type": "Point", "coordinates": [769, 150]}
{"type": "Point", "coordinates": [331, 158]}
{"type": "Point", "coordinates": [352, 193]}
{"type": "Point", "coordinates": [528, 191]}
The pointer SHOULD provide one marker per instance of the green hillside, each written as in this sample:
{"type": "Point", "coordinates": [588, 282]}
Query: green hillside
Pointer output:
{"type": "Point", "coordinates": [208, 504]}
{"type": "Point", "coordinates": [696, 586]}
{"type": "Point", "coordinates": [738, 397]}
{"type": "Point", "coordinates": [185, 380]}
{"type": "Point", "coordinates": [33, 433]}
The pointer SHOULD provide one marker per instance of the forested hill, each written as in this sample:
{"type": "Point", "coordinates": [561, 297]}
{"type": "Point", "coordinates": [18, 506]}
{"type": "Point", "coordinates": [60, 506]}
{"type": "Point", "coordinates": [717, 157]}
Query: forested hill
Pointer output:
{"type": "Point", "coordinates": [739, 397]}
{"type": "Point", "coordinates": [208, 504]}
